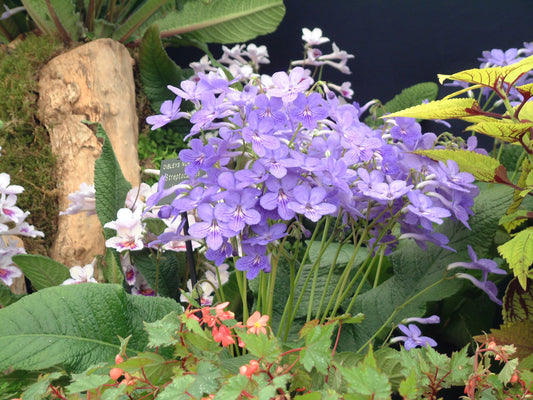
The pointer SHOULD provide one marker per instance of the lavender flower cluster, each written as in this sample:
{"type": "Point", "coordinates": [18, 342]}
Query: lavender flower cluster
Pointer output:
{"type": "Point", "coordinates": [281, 148]}
{"type": "Point", "coordinates": [12, 225]}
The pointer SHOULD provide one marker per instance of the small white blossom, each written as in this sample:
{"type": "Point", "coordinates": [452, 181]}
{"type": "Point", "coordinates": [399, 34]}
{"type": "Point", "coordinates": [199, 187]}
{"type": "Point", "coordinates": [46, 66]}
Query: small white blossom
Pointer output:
{"type": "Point", "coordinates": [313, 37]}
{"type": "Point", "coordinates": [81, 274]}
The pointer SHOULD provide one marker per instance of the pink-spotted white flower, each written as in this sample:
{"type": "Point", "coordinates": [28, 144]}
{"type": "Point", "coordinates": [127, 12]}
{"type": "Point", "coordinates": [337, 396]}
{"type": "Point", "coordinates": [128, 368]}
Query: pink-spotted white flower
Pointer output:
{"type": "Point", "coordinates": [80, 275]}
{"type": "Point", "coordinates": [130, 231]}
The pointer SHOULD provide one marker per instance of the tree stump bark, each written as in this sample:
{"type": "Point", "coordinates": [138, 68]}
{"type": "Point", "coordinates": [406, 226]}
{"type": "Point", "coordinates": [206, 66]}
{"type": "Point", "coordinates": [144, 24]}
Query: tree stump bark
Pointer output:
{"type": "Point", "coordinates": [93, 82]}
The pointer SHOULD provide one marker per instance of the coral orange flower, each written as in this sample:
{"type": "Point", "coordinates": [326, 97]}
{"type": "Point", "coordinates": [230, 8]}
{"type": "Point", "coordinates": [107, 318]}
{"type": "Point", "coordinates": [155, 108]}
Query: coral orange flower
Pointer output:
{"type": "Point", "coordinates": [249, 370]}
{"type": "Point", "coordinates": [223, 335]}
{"type": "Point", "coordinates": [257, 323]}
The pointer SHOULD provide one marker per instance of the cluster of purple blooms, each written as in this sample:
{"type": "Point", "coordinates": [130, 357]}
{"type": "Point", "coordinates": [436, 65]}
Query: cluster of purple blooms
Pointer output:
{"type": "Point", "coordinates": [285, 147]}
{"type": "Point", "coordinates": [12, 225]}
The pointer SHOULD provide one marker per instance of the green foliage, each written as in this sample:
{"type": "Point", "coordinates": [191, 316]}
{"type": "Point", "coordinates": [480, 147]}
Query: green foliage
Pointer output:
{"type": "Point", "coordinates": [75, 326]}
{"type": "Point", "coordinates": [518, 252]}
{"type": "Point", "coordinates": [23, 139]}
{"type": "Point", "coordinates": [220, 21]}
{"type": "Point", "coordinates": [109, 183]}
{"type": "Point", "coordinates": [43, 272]}
{"type": "Point", "coordinates": [408, 97]}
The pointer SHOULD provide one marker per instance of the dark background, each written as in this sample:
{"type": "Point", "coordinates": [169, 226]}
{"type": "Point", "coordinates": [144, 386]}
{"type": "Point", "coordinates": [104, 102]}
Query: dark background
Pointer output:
{"type": "Point", "coordinates": [396, 43]}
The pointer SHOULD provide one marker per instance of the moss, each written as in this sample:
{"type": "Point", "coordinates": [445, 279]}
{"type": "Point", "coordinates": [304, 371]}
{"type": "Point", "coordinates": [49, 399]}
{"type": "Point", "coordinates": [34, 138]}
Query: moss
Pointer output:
{"type": "Point", "coordinates": [26, 153]}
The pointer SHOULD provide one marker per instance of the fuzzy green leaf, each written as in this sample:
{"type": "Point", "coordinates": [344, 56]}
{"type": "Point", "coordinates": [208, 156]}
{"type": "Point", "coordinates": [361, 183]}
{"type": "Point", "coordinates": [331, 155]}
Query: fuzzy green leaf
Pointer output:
{"type": "Point", "coordinates": [75, 326]}
{"type": "Point", "coordinates": [178, 388]}
{"type": "Point", "coordinates": [438, 109]}
{"type": "Point", "coordinates": [223, 21]}
{"type": "Point", "coordinates": [83, 382]}
{"type": "Point", "coordinates": [42, 271]}
{"type": "Point", "coordinates": [409, 387]}
{"type": "Point", "coordinates": [484, 168]}
{"type": "Point", "coordinates": [317, 350]}
{"type": "Point", "coordinates": [38, 390]}
{"type": "Point", "coordinates": [261, 345]}
{"type": "Point", "coordinates": [518, 252]}
{"type": "Point", "coordinates": [157, 70]}
{"type": "Point", "coordinates": [162, 332]}
{"type": "Point", "coordinates": [411, 96]}
{"type": "Point", "coordinates": [7, 297]}
{"type": "Point", "coordinates": [232, 388]}
{"type": "Point", "coordinates": [415, 270]}
{"type": "Point", "coordinates": [109, 183]}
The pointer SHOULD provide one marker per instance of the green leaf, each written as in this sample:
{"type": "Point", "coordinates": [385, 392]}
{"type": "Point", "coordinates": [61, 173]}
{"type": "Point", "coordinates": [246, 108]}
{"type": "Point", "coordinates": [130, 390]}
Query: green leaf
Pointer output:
{"type": "Point", "coordinates": [518, 334]}
{"type": "Point", "coordinates": [518, 252]}
{"type": "Point", "coordinates": [112, 270]}
{"type": "Point", "coordinates": [156, 69]}
{"type": "Point", "coordinates": [7, 297]}
{"type": "Point", "coordinates": [75, 326]}
{"type": "Point", "coordinates": [484, 168]}
{"type": "Point", "coordinates": [163, 331]}
{"type": "Point", "coordinates": [317, 350]}
{"type": "Point", "coordinates": [261, 345]}
{"type": "Point", "coordinates": [438, 109]}
{"type": "Point", "coordinates": [177, 389]}
{"type": "Point", "coordinates": [223, 21]}
{"type": "Point", "coordinates": [83, 382]}
{"type": "Point", "coordinates": [42, 271]}
{"type": "Point", "coordinates": [366, 380]}
{"type": "Point", "coordinates": [411, 96]}
{"type": "Point", "coordinates": [409, 387]}
{"type": "Point", "coordinates": [415, 270]}
{"type": "Point", "coordinates": [68, 23]}
{"type": "Point", "coordinates": [40, 388]}
{"type": "Point", "coordinates": [109, 183]}
{"type": "Point", "coordinates": [167, 282]}
{"type": "Point", "coordinates": [232, 388]}
{"type": "Point", "coordinates": [135, 20]}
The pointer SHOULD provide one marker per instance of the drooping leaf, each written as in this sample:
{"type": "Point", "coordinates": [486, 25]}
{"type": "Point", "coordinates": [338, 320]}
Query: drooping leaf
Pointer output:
{"type": "Point", "coordinates": [109, 183]}
{"type": "Point", "coordinates": [525, 90]}
{"type": "Point", "coordinates": [415, 270]}
{"type": "Point", "coordinates": [507, 131]}
{"type": "Point", "coordinates": [518, 196]}
{"type": "Point", "coordinates": [408, 97]}
{"type": "Point", "coordinates": [157, 70]}
{"type": "Point", "coordinates": [438, 109]}
{"type": "Point", "coordinates": [136, 19]}
{"type": "Point", "coordinates": [484, 168]}
{"type": "Point", "coordinates": [490, 77]}
{"type": "Point", "coordinates": [75, 326]}
{"type": "Point", "coordinates": [518, 302]}
{"type": "Point", "coordinates": [223, 21]}
{"type": "Point", "coordinates": [42, 271]}
{"type": "Point", "coordinates": [518, 252]}
{"type": "Point", "coordinates": [515, 219]}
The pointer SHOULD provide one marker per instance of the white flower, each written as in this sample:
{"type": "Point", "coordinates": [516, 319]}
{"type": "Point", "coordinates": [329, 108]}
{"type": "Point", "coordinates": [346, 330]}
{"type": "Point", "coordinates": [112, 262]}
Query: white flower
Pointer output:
{"type": "Point", "coordinates": [129, 229]}
{"type": "Point", "coordinates": [6, 188]}
{"type": "Point", "coordinates": [81, 274]}
{"type": "Point", "coordinates": [82, 200]}
{"type": "Point", "coordinates": [314, 37]}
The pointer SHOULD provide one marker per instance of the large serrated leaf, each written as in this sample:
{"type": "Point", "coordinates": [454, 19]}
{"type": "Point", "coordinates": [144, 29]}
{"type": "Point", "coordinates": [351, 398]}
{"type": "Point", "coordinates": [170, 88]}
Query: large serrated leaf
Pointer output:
{"type": "Point", "coordinates": [506, 131]}
{"type": "Point", "coordinates": [42, 271]}
{"type": "Point", "coordinates": [223, 21]}
{"type": "Point", "coordinates": [483, 167]}
{"type": "Point", "coordinates": [109, 183]}
{"type": "Point", "coordinates": [408, 97]}
{"type": "Point", "coordinates": [415, 270]}
{"type": "Point", "coordinates": [63, 20]}
{"type": "Point", "coordinates": [518, 252]}
{"type": "Point", "coordinates": [75, 326]}
{"type": "Point", "coordinates": [491, 77]}
{"type": "Point", "coordinates": [156, 68]}
{"type": "Point", "coordinates": [438, 109]}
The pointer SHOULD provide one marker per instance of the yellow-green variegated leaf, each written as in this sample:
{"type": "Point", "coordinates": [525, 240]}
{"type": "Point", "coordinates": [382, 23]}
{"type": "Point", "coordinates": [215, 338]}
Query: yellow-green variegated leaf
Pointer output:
{"type": "Point", "coordinates": [484, 168]}
{"type": "Point", "coordinates": [526, 90]}
{"type": "Point", "coordinates": [526, 113]}
{"type": "Point", "coordinates": [518, 252]}
{"type": "Point", "coordinates": [506, 131]}
{"type": "Point", "coordinates": [438, 109]}
{"type": "Point", "coordinates": [491, 76]}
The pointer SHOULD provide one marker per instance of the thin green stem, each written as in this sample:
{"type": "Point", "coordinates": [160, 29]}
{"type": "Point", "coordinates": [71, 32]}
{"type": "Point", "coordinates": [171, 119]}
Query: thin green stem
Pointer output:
{"type": "Point", "coordinates": [292, 272]}
{"type": "Point", "coordinates": [391, 317]}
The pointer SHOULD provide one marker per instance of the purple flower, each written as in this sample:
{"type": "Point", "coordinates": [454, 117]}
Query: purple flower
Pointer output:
{"type": "Point", "coordinates": [170, 111]}
{"type": "Point", "coordinates": [309, 109]}
{"type": "Point", "coordinates": [423, 211]}
{"type": "Point", "coordinates": [499, 58]}
{"type": "Point", "coordinates": [210, 229]}
{"type": "Point", "coordinates": [310, 202]}
{"type": "Point", "coordinates": [259, 134]}
{"type": "Point", "coordinates": [487, 286]}
{"type": "Point", "coordinates": [238, 210]}
{"type": "Point", "coordinates": [413, 337]}
{"type": "Point", "coordinates": [219, 255]}
{"type": "Point", "coordinates": [279, 195]}
{"type": "Point", "coordinates": [485, 265]}
{"type": "Point", "coordinates": [407, 130]}
{"type": "Point", "coordinates": [254, 261]}
{"type": "Point", "coordinates": [288, 86]}
{"type": "Point", "coordinates": [267, 234]}
{"type": "Point", "coordinates": [198, 157]}
{"type": "Point", "coordinates": [434, 319]}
